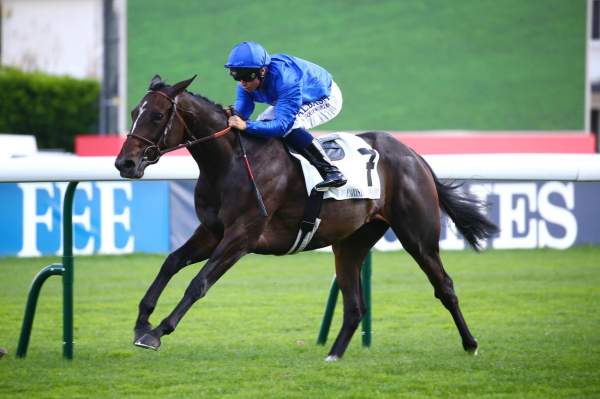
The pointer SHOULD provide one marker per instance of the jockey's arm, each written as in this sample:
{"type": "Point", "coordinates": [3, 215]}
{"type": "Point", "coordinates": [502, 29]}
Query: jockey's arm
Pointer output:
{"type": "Point", "coordinates": [287, 107]}
{"type": "Point", "coordinates": [244, 104]}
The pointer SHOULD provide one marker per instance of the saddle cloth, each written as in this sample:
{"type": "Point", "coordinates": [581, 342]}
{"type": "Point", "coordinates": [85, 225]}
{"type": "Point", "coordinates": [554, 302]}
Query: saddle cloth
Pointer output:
{"type": "Point", "coordinates": [356, 159]}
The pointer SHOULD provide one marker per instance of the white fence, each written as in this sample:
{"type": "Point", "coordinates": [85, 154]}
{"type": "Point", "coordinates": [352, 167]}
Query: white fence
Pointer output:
{"type": "Point", "coordinates": [561, 167]}
{"type": "Point", "coordinates": [530, 215]}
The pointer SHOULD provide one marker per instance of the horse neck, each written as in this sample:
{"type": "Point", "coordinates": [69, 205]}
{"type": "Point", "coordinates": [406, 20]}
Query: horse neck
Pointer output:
{"type": "Point", "coordinates": [213, 156]}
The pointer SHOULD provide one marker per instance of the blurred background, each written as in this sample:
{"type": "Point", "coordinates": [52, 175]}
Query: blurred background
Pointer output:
{"type": "Point", "coordinates": [491, 76]}
{"type": "Point", "coordinates": [403, 66]}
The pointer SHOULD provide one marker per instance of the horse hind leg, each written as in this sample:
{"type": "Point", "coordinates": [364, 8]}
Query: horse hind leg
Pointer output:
{"type": "Point", "coordinates": [449, 299]}
{"type": "Point", "coordinates": [444, 291]}
{"type": "Point", "coordinates": [425, 250]}
{"type": "Point", "coordinates": [349, 256]}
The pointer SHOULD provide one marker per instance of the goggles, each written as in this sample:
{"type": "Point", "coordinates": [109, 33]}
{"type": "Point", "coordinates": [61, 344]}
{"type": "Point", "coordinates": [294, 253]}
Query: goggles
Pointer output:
{"type": "Point", "coordinates": [245, 74]}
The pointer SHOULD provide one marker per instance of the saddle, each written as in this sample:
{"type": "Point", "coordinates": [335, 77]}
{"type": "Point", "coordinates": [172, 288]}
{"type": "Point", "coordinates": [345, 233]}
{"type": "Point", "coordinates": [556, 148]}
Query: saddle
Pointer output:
{"type": "Point", "coordinates": [357, 160]}
{"type": "Point", "coordinates": [332, 148]}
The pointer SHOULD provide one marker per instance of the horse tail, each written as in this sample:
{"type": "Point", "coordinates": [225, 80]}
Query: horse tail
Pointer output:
{"type": "Point", "coordinates": [466, 211]}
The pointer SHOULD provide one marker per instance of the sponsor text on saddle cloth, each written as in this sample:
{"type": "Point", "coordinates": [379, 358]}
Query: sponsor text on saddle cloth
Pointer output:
{"type": "Point", "coordinates": [355, 158]}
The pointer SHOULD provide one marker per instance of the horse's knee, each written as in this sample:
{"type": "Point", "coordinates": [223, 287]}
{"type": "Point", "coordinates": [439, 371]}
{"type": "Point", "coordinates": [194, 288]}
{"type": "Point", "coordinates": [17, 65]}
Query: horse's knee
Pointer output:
{"type": "Point", "coordinates": [172, 264]}
{"type": "Point", "coordinates": [353, 315]}
{"type": "Point", "coordinates": [363, 310]}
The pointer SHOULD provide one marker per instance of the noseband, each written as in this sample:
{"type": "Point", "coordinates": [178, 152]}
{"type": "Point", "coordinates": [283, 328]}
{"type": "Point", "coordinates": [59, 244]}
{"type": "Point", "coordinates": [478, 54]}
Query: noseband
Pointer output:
{"type": "Point", "coordinates": [153, 152]}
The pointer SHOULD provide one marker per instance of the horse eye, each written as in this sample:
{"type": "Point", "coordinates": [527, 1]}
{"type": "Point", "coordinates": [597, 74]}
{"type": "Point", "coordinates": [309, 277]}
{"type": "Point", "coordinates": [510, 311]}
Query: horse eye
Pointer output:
{"type": "Point", "coordinates": [156, 116]}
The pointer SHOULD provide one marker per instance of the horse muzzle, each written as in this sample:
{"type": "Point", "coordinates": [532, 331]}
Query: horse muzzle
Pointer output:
{"type": "Point", "coordinates": [130, 169]}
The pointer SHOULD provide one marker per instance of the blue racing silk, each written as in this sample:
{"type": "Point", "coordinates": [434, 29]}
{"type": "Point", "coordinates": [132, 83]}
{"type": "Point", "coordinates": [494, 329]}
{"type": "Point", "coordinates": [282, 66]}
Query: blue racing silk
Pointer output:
{"type": "Point", "coordinates": [289, 83]}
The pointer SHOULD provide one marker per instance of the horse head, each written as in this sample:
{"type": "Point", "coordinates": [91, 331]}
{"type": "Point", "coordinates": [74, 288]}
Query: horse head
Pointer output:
{"type": "Point", "coordinates": [157, 126]}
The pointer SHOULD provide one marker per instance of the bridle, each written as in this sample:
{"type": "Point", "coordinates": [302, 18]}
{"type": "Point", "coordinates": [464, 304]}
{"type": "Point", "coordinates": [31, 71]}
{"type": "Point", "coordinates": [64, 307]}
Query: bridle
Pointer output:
{"type": "Point", "coordinates": [153, 152]}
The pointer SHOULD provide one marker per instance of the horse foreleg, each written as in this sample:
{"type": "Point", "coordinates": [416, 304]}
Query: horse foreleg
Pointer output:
{"type": "Point", "coordinates": [348, 280]}
{"type": "Point", "coordinates": [231, 248]}
{"type": "Point", "coordinates": [196, 249]}
{"type": "Point", "coordinates": [349, 256]}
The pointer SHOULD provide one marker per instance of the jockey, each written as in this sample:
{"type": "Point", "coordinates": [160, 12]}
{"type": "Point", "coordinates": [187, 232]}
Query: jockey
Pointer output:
{"type": "Point", "coordinates": [301, 95]}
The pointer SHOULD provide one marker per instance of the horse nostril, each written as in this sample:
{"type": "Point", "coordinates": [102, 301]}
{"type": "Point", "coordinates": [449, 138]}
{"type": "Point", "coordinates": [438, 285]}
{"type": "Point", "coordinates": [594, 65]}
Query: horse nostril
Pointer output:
{"type": "Point", "coordinates": [124, 164]}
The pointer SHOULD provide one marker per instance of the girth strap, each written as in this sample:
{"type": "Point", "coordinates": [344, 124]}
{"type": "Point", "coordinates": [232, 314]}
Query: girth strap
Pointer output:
{"type": "Point", "coordinates": [310, 222]}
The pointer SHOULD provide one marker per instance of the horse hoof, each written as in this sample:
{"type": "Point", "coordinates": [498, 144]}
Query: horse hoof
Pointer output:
{"type": "Point", "coordinates": [473, 351]}
{"type": "Point", "coordinates": [471, 348]}
{"type": "Point", "coordinates": [332, 358]}
{"type": "Point", "coordinates": [138, 333]}
{"type": "Point", "coordinates": [148, 341]}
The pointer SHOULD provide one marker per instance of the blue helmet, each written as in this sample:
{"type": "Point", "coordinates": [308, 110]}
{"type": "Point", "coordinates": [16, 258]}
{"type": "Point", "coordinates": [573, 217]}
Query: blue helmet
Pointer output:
{"type": "Point", "coordinates": [248, 55]}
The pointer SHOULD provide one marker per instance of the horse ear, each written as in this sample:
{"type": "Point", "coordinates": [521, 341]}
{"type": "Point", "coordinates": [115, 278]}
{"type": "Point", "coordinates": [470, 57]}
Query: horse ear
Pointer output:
{"type": "Point", "coordinates": [155, 81]}
{"type": "Point", "coordinates": [181, 86]}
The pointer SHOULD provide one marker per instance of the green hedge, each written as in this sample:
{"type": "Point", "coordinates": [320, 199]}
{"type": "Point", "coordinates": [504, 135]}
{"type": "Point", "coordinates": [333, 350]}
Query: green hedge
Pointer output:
{"type": "Point", "coordinates": [53, 108]}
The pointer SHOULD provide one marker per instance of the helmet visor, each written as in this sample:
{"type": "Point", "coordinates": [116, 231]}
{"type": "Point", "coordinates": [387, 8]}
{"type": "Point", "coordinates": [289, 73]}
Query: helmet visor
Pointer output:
{"type": "Point", "coordinates": [245, 74]}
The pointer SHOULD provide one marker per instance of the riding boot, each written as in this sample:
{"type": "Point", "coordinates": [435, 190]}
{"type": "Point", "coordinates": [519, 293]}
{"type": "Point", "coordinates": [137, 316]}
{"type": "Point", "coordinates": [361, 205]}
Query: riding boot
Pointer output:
{"type": "Point", "coordinates": [332, 177]}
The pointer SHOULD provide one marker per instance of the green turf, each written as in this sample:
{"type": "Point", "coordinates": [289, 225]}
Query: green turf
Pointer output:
{"type": "Point", "coordinates": [402, 65]}
{"type": "Point", "coordinates": [535, 314]}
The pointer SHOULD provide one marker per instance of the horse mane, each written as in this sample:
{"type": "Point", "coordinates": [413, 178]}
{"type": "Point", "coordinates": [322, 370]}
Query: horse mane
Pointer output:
{"type": "Point", "coordinates": [216, 106]}
{"type": "Point", "coordinates": [160, 84]}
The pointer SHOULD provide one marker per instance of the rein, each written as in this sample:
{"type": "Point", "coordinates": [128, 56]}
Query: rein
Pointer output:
{"type": "Point", "coordinates": [153, 152]}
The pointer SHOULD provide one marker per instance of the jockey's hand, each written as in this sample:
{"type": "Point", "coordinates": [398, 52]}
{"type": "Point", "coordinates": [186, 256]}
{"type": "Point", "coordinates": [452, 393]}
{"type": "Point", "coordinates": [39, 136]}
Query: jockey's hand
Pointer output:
{"type": "Point", "coordinates": [237, 122]}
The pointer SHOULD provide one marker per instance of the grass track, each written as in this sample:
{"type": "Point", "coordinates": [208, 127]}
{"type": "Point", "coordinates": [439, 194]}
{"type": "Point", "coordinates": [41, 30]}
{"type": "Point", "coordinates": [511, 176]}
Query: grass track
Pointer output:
{"type": "Point", "coordinates": [535, 314]}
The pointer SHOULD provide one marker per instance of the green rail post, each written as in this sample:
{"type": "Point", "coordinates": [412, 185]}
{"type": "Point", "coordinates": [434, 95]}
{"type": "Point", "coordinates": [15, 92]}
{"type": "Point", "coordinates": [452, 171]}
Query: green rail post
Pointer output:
{"type": "Point", "coordinates": [366, 271]}
{"type": "Point", "coordinates": [329, 309]}
{"type": "Point", "coordinates": [68, 275]}
{"type": "Point", "coordinates": [66, 271]}
{"type": "Point", "coordinates": [34, 292]}
{"type": "Point", "coordinates": [366, 287]}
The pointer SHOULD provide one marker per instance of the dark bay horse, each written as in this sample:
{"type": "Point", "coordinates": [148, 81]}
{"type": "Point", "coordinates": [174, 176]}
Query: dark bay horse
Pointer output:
{"type": "Point", "coordinates": [232, 224]}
